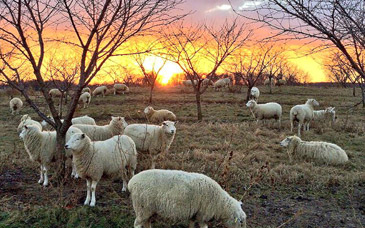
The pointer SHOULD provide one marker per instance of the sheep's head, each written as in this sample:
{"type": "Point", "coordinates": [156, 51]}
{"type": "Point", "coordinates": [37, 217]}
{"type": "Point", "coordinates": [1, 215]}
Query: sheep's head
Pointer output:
{"type": "Point", "coordinates": [76, 142]}
{"type": "Point", "coordinates": [312, 102]}
{"type": "Point", "coordinates": [26, 129]}
{"type": "Point", "coordinates": [238, 218]}
{"type": "Point", "coordinates": [44, 123]}
{"type": "Point", "coordinates": [169, 127]}
{"type": "Point", "coordinates": [24, 117]}
{"type": "Point", "coordinates": [119, 122]}
{"type": "Point", "coordinates": [147, 110]}
{"type": "Point", "coordinates": [286, 142]}
{"type": "Point", "coordinates": [251, 104]}
{"type": "Point", "coordinates": [331, 111]}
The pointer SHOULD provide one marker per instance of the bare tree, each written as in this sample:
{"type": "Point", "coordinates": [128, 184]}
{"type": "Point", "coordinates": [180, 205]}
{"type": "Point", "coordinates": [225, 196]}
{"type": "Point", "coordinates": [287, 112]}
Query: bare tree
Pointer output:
{"type": "Point", "coordinates": [338, 23]}
{"type": "Point", "coordinates": [192, 46]}
{"type": "Point", "coordinates": [98, 30]}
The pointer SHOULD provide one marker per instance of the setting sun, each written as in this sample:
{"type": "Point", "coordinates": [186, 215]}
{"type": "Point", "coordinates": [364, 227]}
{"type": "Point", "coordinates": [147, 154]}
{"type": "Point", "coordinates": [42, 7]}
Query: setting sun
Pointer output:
{"type": "Point", "coordinates": [168, 70]}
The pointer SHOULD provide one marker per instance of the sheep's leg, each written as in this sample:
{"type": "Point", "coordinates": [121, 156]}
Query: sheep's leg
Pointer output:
{"type": "Point", "coordinates": [88, 186]}
{"type": "Point", "coordinates": [308, 126]}
{"type": "Point", "coordinates": [142, 222]}
{"type": "Point", "coordinates": [279, 121]}
{"type": "Point", "coordinates": [45, 174]}
{"type": "Point", "coordinates": [203, 225]}
{"type": "Point", "coordinates": [41, 177]}
{"type": "Point", "coordinates": [299, 128]}
{"type": "Point", "coordinates": [153, 161]}
{"type": "Point", "coordinates": [74, 173]}
{"type": "Point", "coordinates": [93, 188]}
{"type": "Point", "coordinates": [147, 224]}
{"type": "Point", "coordinates": [192, 224]}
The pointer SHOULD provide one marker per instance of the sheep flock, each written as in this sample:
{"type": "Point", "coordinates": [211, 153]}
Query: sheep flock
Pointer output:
{"type": "Point", "coordinates": [98, 152]}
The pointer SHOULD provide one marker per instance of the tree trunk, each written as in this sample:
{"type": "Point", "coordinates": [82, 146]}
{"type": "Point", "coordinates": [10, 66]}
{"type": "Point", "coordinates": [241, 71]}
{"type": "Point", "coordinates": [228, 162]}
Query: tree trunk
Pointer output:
{"type": "Point", "coordinates": [198, 106]}
{"type": "Point", "coordinates": [270, 85]}
{"type": "Point", "coordinates": [60, 173]}
{"type": "Point", "coordinates": [354, 90]}
{"type": "Point", "coordinates": [248, 95]}
{"type": "Point", "coordinates": [151, 91]}
{"type": "Point", "coordinates": [363, 96]}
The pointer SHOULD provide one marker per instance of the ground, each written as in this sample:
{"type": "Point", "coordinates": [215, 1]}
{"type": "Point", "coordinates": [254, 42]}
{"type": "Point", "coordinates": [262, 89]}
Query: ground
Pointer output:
{"type": "Point", "coordinates": [245, 158]}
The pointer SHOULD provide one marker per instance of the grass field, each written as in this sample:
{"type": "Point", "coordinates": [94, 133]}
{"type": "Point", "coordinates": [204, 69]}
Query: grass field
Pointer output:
{"type": "Point", "coordinates": [228, 146]}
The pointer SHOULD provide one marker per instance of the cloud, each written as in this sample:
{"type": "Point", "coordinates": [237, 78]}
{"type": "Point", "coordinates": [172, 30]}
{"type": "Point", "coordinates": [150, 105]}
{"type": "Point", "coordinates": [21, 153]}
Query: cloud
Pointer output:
{"type": "Point", "coordinates": [223, 7]}
{"type": "Point", "coordinates": [250, 4]}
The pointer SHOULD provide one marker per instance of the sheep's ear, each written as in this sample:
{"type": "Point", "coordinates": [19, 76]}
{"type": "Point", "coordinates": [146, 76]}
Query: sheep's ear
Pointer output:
{"type": "Point", "coordinates": [119, 118]}
{"type": "Point", "coordinates": [82, 136]}
{"type": "Point", "coordinates": [25, 126]}
{"type": "Point", "coordinates": [164, 123]}
{"type": "Point", "coordinates": [176, 122]}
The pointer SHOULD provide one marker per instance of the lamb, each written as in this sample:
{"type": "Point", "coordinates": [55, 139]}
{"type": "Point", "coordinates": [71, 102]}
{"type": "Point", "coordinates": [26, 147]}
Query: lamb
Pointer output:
{"type": "Point", "coordinates": [221, 83]}
{"type": "Point", "coordinates": [100, 133]}
{"type": "Point", "coordinates": [207, 82]}
{"type": "Point", "coordinates": [280, 82]}
{"type": "Point", "coordinates": [182, 196]}
{"type": "Point", "coordinates": [77, 120]}
{"type": "Point", "coordinates": [41, 147]}
{"type": "Point", "coordinates": [101, 90]}
{"type": "Point", "coordinates": [120, 88]}
{"type": "Point", "coordinates": [267, 82]}
{"type": "Point", "coordinates": [254, 94]}
{"type": "Point", "coordinates": [328, 113]}
{"type": "Point", "coordinates": [158, 116]}
{"type": "Point", "coordinates": [271, 110]}
{"type": "Point", "coordinates": [55, 93]}
{"type": "Point", "coordinates": [153, 139]}
{"type": "Point", "coordinates": [27, 120]}
{"type": "Point", "coordinates": [117, 155]}
{"type": "Point", "coordinates": [328, 153]}
{"type": "Point", "coordinates": [15, 105]}
{"type": "Point", "coordinates": [303, 114]}
{"type": "Point", "coordinates": [86, 89]}
{"type": "Point", "coordinates": [85, 99]}
{"type": "Point", "coordinates": [188, 83]}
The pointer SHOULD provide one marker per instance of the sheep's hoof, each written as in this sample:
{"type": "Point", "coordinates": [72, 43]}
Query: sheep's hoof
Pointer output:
{"type": "Point", "coordinates": [92, 204]}
{"type": "Point", "coordinates": [124, 189]}
{"type": "Point", "coordinates": [40, 182]}
{"type": "Point", "coordinates": [86, 203]}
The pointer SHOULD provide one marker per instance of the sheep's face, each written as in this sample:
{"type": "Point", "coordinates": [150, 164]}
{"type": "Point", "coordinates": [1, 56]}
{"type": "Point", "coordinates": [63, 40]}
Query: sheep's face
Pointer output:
{"type": "Point", "coordinates": [312, 102]}
{"type": "Point", "coordinates": [251, 104]}
{"type": "Point", "coordinates": [76, 142]}
{"type": "Point", "coordinates": [286, 141]}
{"type": "Point", "coordinates": [147, 110]}
{"type": "Point", "coordinates": [331, 111]}
{"type": "Point", "coordinates": [119, 122]}
{"type": "Point", "coordinates": [169, 127]}
{"type": "Point", "coordinates": [44, 123]}
{"type": "Point", "coordinates": [238, 219]}
{"type": "Point", "coordinates": [25, 130]}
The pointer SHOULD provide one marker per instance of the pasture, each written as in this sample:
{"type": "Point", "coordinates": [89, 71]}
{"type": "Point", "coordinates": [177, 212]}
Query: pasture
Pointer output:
{"type": "Point", "coordinates": [227, 145]}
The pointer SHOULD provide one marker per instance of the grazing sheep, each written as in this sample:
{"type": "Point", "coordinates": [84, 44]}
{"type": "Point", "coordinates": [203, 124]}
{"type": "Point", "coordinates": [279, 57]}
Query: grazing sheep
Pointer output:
{"type": "Point", "coordinates": [100, 133]}
{"type": "Point", "coordinates": [158, 116]}
{"type": "Point", "coordinates": [120, 88]}
{"type": "Point", "coordinates": [152, 138]}
{"type": "Point", "coordinates": [77, 120]}
{"type": "Point", "coordinates": [27, 120]}
{"type": "Point", "coordinates": [303, 114]}
{"type": "Point", "coordinates": [86, 89]}
{"type": "Point", "coordinates": [188, 83]}
{"type": "Point", "coordinates": [267, 82]}
{"type": "Point", "coordinates": [85, 99]}
{"type": "Point", "coordinates": [207, 82]}
{"type": "Point", "coordinates": [269, 110]}
{"type": "Point", "coordinates": [112, 157]}
{"type": "Point", "coordinates": [327, 114]}
{"type": "Point", "coordinates": [181, 196]}
{"type": "Point", "coordinates": [15, 105]}
{"type": "Point", "coordinates": [55, 93]}
{"type": "Point", "coordinates": [101, 90]}
{"type": "Point", "coordinates": [254, 94]}
{"type": "Point", "coordinates": [222, 83]}
{"type": "Point", "coordinates": [280, 82]}
{"type": "Point", "coordinates": [41, 147]}
{"type": "Point", "coordinates": [328, 153]}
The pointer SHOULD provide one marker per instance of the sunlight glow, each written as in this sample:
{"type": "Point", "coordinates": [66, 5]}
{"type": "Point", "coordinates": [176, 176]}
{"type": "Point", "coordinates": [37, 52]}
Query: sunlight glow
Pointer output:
{"type": "Point", "coordinates": [166, 73]}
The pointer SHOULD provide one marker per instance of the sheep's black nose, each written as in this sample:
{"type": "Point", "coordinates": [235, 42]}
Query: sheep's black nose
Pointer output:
{"type": "Point", "coordinates": [66, 147]}
{"type": "Point", "coordinates": [172, 131]}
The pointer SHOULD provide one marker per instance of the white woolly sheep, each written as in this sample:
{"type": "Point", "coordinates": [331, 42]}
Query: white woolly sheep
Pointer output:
{"type": "Point", "coordinates": [178, 196]}
{"type": "Point", "coordinates": [222, 83]}
{"type": "Point", "coordinates": [15, 105]}
{"type": "Point", "coordinates": [188, 83]}
{"type": "Point", "coordinates": [267, 82]}
{"type": "Point", "coordinates": [101, 90]}
{"type": "Point", "coordinates": [41, 147]}
{"type": "Point", "coordinates": [77, 120]}
{"type": "Point", "coordinates": [269, 110]}
{"type": "Point", "coordinates": [55, 93]}
{"type": "Point", "coordinates": [280, 82]}
{"type": "Point", "coordinates": [101, 133]}
{"type": "Point", "coordinates": [327, 114]}
{"type": "Point", "coordinates": [112, 157]}
{"type": "Point", "coordinates": [158, 116]}
{"type": "Point", "coordinates": [153, 139]}
{"type": "Point", "coordinates": [325, 152]}
{"type": "Point", "coordinates": [86, 89]}
{"type": "Point", "coordinates": [207, 82]}
{"type": "Point", "coordinates": [27, 120]}
{"type": "Point", "coordinates": [303, 114]}
{"type": "Point", "coordinates": [120, 88]}
{"type": "Point", "coordinates": [254, 94]}
{"type": "Point", "coordinates": [85, 99]}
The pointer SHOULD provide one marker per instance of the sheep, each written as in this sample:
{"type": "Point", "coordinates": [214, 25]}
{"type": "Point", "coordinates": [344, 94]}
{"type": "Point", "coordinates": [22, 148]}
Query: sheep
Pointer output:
{"type": "Point", "coordinates": [117, 155]}
{"type": "Point", "coordinates": [221, 83]}
{"type": "Point", "coordinates": [153, 139]}
{"type": "Point", "coordinates": [303, 114]}
{"type": "Point", "coordinates": [325, 152]}
{"type": "Point", "coordinates": [280, 82]}
{"type": "Point", "coordinates": [85, 99]}
{"type": "Point", "coordinates": [27, 120]}
{"type": "Point", "coordinates": [77, 120]}
{"type": "Point", "coordinates": [188, 83]}
{"type": "Point", "coordinates": [15, 105]}
{"type": "Point", "coordinates": [328, 113]}
{"type": "Point", "coordinates": [182, 196]}
{"type": "Point", "coordinates": [207, 82]}
{"type": "Point", "coordinates": [267, 82]}
{"type": "Point", "coordinates": [101, 90]}
{"type": "Point", "coordinates": [55, 93]}
{"type": "Point", "coordinates": [254, 94]}
{"type": "Point", "coordinates": [86, 89]}
{"type": "Point", "coordinates": [120, 88]}
{"type": "Point", "coordinates": [269, 110]}
{"type": "Point", "coordinates": [41, 147]}
{"type": "Point", "coordinates": [158, 116]}
{"type": "Point", "coordinates": [100, 133]}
